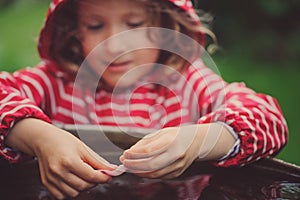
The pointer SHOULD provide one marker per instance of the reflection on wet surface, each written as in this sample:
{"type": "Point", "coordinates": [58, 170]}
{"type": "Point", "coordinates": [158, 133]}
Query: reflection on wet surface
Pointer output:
{"type": "Point", "coordinates": [200, 181]}
{"type": "Point", "coordinates": [284, 190]}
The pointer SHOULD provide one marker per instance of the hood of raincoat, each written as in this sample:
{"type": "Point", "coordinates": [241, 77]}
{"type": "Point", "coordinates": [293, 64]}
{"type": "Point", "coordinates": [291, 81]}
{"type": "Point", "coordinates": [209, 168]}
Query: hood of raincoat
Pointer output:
{"type": "Point", "coordinates": [44, 42]}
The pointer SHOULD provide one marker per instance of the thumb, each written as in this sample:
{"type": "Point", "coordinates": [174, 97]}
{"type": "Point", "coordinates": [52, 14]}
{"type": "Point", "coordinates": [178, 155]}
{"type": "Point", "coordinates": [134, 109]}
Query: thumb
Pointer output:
{"type": "Point", "coordinates": [96, 161]}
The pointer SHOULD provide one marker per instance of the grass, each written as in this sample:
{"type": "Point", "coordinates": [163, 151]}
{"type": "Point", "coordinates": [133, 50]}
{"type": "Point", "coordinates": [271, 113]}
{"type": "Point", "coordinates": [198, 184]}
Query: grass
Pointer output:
{"type": "Point", "coordinates": [20, 26]}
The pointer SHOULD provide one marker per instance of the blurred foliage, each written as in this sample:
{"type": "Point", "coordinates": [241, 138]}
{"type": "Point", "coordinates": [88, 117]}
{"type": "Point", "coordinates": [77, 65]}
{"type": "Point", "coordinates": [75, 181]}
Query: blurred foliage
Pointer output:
{"type": "Point", "coordinates": [267, 31]}
{"type": "Point", "coordinates": [259, 42]}
{"type": "Point", "coordinates": [5, 3]}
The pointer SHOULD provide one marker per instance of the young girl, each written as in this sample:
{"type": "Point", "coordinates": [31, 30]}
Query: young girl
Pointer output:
{"type": "Point", "coordinates": [130, 63]}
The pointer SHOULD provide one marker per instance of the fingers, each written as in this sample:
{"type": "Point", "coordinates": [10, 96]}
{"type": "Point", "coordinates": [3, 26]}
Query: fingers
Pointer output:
{"type": "Point", "coordinates": [75, 182]}
{"type": "Point", "coordinates": [117, 172]}
{"type": "Point", "coordinates": [96, 161]}
{"type": "Point", "coordinates": [87, 173]}
{"type": "Point", "coordinates": [69, 183]}
{"type": "Point", "coordinates": [61, 190]}
{"type": "Point", "coordinates": [72, 175]}
{"type": "Point", "coordinates": [45, 180]}
{"type": "Point", "coordinates": [59, 187]}
{"type": "Point", "coordinates": [150, 145]}
{"type": "Point", "coordinates": [172, 171]}
{"type": "Point", "coordinates": [55, 191]}
{"type": "Point", "coordinates": [151, 163]}
{"type": "Point", "coordinates": [163, 153]}
{"type": "Point", "coordinates": [102, 165]}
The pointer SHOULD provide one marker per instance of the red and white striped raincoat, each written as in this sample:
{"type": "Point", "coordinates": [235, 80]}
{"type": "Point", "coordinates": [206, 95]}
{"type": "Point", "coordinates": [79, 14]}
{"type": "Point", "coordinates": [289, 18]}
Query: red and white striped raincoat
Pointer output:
{"type": "Point", "coordinates": [48, 93]}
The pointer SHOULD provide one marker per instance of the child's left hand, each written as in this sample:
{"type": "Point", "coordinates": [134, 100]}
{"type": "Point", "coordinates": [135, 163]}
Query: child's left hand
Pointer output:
{"type": "Point", "coordinates": [164, 154]}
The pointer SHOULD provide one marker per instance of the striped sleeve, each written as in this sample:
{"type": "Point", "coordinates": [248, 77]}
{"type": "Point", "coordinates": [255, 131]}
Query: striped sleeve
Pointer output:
{"type": "Point", "coordinates": [19, 96]}
{"type": "Point", "coordinates": [256, 118]}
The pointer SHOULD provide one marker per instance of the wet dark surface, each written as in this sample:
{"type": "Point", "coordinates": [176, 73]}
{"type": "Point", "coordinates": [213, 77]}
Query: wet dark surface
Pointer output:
{"type": "Point", "coordinates": [264, 180]}
{"type": "Point", "coordinates": [268, 179]}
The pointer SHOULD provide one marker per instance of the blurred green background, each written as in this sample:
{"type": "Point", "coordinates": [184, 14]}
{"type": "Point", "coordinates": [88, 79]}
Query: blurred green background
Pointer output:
{"type": "Point", "coordinates": [259, 41]}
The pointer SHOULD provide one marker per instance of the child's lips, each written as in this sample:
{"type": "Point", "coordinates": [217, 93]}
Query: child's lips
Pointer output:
{"type": "Point", "coordinates": [118, 66]}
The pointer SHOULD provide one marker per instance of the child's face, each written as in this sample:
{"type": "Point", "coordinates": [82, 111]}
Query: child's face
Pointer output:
{"type": "Point", "coordinates": [123, 54]}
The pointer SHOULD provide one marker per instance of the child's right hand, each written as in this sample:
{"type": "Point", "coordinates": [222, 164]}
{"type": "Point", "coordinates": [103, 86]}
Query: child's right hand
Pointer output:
{"type": "Point", "coordinates": [67, 165]}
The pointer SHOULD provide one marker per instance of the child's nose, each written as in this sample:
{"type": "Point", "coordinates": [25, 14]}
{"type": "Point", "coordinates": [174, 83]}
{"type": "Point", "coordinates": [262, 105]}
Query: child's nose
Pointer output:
{"type": "Point", "coordinates": [116, 44]}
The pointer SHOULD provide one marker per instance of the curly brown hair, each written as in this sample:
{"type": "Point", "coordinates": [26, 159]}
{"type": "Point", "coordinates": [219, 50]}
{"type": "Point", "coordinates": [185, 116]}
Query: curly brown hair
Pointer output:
{"type": "Point", "coordinates": [66, 48]}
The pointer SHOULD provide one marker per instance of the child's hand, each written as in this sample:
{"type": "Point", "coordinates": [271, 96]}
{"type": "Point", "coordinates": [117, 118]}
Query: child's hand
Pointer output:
{"type": "Point", "coordinates": [67, 166]}
{"type": "Point", "coordinates": [164, 154]}
{"type": "Point", "coordinates": [170, 151]}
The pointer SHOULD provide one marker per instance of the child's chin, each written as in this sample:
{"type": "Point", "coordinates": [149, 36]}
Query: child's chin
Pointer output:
{"type": "Point", "coordinates": [121, 86]}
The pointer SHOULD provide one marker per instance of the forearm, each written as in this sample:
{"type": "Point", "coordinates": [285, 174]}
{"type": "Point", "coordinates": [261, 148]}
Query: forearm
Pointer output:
{"type": "Point", "coordinates": [214, 141]}
{"type": "Point", "coordinates": [256, 118]}
{"type": "Point", "coordinates": [27, 133]}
